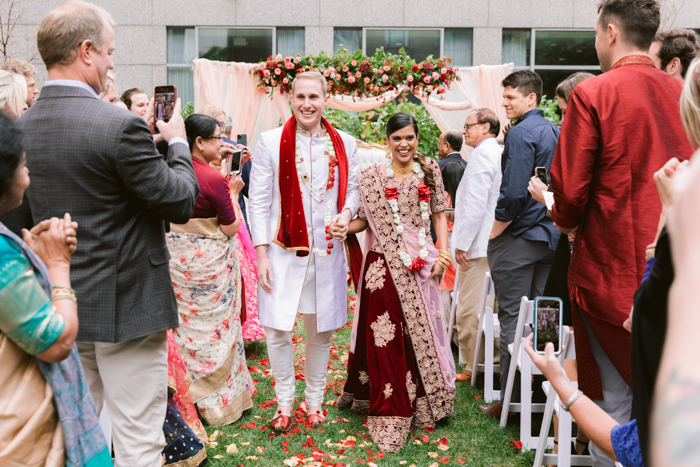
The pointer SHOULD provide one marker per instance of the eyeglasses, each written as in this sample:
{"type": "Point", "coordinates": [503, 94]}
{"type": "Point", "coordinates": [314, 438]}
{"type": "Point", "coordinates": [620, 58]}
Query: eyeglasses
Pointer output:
{"type": "Point", "coordinates": [220, 138]}
{"type": "Point", "coordinates": [469, 125]}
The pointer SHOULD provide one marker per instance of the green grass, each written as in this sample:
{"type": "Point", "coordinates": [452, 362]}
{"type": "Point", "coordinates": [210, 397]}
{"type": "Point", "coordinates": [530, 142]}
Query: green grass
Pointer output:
{"type": "Point", "coordinates": [472, 438]}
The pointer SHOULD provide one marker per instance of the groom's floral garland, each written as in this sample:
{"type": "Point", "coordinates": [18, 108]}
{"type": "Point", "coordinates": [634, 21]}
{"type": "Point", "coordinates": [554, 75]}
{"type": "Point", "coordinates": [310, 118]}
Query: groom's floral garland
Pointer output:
{"type": "Point", "coordinates": [304, 179]}
{"type": "Point", "coordinates": [392, 196]}
{"type": "Point", "coordinates": [357, 75]}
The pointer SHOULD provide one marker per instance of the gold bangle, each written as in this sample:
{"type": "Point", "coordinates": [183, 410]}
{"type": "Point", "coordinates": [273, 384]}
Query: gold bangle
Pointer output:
{"type": "Point", "coordinates": [64, 298]}
{"type": "Point", "coordinates": [60, 293]}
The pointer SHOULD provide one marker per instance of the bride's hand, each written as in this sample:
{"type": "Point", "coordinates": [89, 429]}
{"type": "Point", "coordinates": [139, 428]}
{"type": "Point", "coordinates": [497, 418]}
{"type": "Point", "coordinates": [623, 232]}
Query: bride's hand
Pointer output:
{"type": "Point", "coordinates": [437, 270]}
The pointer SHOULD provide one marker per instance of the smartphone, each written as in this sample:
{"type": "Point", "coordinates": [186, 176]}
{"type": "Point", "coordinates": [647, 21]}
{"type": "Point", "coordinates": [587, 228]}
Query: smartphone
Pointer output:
{"type": "Point", "coordinates": [164, 103]}
{"type": "Point", "coordinates": [242, 139]}
{"type": "Point", "coordinates": [234, 162]}
{"type": "Point", "coordinates": [548, 323]}
{"type": "Point", "coordinates": [449, 210]}
{"type": "Point", "coordinates": [541, 173]}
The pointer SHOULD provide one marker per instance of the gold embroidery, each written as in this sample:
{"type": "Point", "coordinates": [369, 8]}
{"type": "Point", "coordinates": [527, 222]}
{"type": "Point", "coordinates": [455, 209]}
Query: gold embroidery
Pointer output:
{"type": "Point", "coordinates": [193, 461]}
{"type": "Point", "coordinates": [375, 275]}
{"type": "Point", "coordinates": [389, 433]}
{"type": "Point", "coordinates": [364, 377]}
{"type": "Point", "coordinates": [360, 407]}
{"type": "Point", "coordinates": [344, 401]}
{"type": "Point", "coordinates": [439, 399]}
{"type": "Point", "coordinates": [219, 416]}
{"type": "Point", "coordinates": [383, 330]}
{"type": "Point", "coordinates": [388, 391]}
{"type": "Point", "coordinates": [202, 387]}
{"type": "Point", "coordinates": [423, 417]}
{"type": "Point", "coordinates": [410, 387]}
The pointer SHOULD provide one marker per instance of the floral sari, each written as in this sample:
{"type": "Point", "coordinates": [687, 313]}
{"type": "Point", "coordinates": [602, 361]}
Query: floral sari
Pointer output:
{"type": "Point", "coordinates": [401, 370]}
{"type": "Point", "coordinates": [205, 270]}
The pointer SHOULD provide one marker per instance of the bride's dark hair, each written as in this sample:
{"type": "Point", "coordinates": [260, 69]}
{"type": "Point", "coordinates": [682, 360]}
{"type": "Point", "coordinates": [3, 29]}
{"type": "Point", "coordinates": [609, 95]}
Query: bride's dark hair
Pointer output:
{"type": "Point", "coordinates": [399, 121]}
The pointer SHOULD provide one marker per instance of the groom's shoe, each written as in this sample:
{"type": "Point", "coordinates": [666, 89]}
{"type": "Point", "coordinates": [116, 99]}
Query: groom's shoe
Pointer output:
{"type": "Point", "coordinates": [315, 417]}
{"type": "Point", "coordinates": [281, 423]}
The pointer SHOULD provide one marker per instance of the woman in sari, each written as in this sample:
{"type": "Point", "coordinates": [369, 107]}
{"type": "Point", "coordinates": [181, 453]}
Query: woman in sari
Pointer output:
{"type": "Point", "coordinates": [205, 271]}
{"type": "Point", "coordinates": [401, 370]}
{"type": "Point", "coordinates": [252, 329]}
{"type": "Point", "coordinates": [48, 416]}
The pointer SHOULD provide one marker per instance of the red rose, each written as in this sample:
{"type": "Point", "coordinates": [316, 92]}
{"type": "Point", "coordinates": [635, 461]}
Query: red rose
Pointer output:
{"type": "Point", "coordinates": [328, 252]}
{"type": "Point", "coordinates": [391, 193]}
{"type": "Point", "coordinates": [424, 192]}
{"type": "Point", "coordinates": [330, 244]}
{"type": "Point", "coordinates": [417, 264]}
{"type": "Point", "coordinates": [414, 68]}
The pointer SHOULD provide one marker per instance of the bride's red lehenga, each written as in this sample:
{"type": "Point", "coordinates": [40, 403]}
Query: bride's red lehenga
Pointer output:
{"type": "Point", "coordinates": [401, 370]}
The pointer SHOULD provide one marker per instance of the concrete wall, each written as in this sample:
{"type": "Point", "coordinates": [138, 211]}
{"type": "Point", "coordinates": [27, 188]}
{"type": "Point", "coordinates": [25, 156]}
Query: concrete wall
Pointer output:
{"type": "Point", "coordinates": [140, 56]}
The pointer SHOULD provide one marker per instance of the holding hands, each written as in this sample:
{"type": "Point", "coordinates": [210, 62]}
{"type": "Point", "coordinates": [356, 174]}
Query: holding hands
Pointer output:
{"type": "Point", "coordinates": [339, 225]}
{"type": "Point", "coordinates": [53, 240]}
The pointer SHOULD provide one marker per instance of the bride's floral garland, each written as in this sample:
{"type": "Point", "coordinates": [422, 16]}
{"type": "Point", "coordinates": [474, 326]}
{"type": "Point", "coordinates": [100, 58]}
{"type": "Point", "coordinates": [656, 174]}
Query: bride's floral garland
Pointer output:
{"type": "Point", "coordinates": [392, 196]}
{"type": "Point", "coordinates": [329, 184]}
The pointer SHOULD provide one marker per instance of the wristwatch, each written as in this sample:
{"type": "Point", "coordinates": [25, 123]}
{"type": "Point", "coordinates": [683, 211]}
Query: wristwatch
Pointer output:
{"type": "Point", "coordinates": [571, 400]}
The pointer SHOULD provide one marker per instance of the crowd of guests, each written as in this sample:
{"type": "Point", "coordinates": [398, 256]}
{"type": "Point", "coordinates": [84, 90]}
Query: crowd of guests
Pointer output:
{"type": "Point", "coordinates": [172, 276]}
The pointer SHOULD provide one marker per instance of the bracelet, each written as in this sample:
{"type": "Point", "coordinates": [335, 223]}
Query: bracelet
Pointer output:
{"type": "Point", "coordinates": [64, 298]}
{"type": "Point", "coordinates": [571, 400]}
{"type": "Point", "coordinates": [64, 288]}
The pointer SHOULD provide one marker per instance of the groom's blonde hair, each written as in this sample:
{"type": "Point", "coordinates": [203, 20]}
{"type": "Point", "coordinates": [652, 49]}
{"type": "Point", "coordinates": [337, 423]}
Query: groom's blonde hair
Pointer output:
{"type": "Point", "coordinates": [314, 76]}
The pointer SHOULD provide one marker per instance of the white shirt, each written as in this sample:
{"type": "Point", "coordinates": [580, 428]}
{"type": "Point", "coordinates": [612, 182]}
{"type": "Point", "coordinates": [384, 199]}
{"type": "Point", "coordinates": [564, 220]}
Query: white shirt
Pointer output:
{"type": "Point", "coordinates": [475, 204]}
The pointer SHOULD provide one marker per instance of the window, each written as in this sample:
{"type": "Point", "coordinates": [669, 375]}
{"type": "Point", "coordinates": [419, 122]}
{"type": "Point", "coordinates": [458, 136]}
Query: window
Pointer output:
{"type": "Point", "coordinates": [181, 52]}
{"type": "Point", "coordinates": [553, 54]}
{"type": "Point", "coordinates": [349, 39]}
{"type": "Point", "coordinates": [418, 43]}
{"type": "Point", "coordinates": [249, 45]}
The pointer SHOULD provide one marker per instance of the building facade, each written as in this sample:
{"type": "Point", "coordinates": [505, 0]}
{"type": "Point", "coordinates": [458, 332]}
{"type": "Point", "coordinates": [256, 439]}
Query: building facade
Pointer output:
{"type": "Point", "coordinates": [158, 39]}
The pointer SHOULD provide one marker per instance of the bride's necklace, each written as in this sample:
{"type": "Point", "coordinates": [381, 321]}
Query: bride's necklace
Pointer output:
{"type": "Point", "coordinates": [403, 171]}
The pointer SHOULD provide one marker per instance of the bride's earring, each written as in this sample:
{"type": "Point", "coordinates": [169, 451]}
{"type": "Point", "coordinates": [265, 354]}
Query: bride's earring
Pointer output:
{"type": "Point", "coordinates": [388, 153]}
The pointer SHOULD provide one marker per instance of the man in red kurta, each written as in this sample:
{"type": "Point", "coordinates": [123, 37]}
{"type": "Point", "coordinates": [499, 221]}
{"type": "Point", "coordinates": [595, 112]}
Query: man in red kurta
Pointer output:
{"type": "Point", "coordinates": [620, 128]}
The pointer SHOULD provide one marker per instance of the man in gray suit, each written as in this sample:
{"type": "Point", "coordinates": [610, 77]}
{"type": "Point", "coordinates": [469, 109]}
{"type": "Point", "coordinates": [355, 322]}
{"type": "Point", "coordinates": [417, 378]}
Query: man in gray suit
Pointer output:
{"type": "Point", "coordinates": [99, 163]}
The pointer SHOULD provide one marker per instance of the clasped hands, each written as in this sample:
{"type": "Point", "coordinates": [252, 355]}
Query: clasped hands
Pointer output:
{"type": "Point", "coordinates": [340, 224]}
{"type": "Point", "coordinates": [53, 240]}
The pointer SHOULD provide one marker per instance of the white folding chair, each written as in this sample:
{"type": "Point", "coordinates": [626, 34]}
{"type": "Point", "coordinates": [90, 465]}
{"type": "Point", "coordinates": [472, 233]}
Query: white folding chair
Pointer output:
{"type": "Point", "coordinates": [520, 360]}
{"type": "Point", "coordinates": [489, 328]}
{"type": "Point", "coordinates": [563, 458]}
{"type": "Point", "coordinates": [453, 312]}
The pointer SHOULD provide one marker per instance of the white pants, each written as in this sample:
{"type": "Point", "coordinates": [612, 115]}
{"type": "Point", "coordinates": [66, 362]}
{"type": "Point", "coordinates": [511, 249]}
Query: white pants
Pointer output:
{"type": "Point", "coordinates": [280, 349]}
{"type": "Point", "coordinates": [132, 378]}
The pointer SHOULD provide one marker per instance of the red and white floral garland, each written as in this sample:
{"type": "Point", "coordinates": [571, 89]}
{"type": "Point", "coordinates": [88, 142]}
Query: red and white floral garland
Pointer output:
{"type": "Point", "coordinates": [392, 196]}
{"type": "Point", "coordinates": [329, 184]}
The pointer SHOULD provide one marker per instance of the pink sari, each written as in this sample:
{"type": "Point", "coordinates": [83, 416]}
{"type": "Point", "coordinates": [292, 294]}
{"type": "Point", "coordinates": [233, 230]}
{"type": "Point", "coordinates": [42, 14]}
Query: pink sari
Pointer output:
{"type": "Point", "coordinates": [252, 329]}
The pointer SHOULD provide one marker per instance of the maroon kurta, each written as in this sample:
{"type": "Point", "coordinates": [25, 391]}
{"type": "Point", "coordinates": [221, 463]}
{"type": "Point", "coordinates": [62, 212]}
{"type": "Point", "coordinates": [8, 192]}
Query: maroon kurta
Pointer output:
{"type": "Point", "coordinates": [620, 128]}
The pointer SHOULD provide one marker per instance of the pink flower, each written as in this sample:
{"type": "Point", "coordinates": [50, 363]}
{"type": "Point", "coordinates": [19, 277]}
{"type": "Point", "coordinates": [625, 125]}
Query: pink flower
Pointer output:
{"type": "Point", "coordinates": [311, 61]}
{"type": "Point", "coordinates": [277, 71]}
{"type": "Point", "coordinates": [285, 81]}
{"type": "Point", "coordinates": [278, 58]}
{"type": "Point", "coordinates": [441, 90]}
{"type": "Point", "coordinates": [351, 79]}
{"type": "Point", "coordinates": [289, 66]}
{"type": "Point", "coordinates": [296, 60]}
{"type": "Point", "coordinates": [443, 70]}
{"type": "Point", "coordinates": [409, 78]}
{"type": "Point", "coordinates": [353, 63]}
{"type": "Point", "coordinates": [435, 75]}
{"type": "Point", "coordinates": [326, 73]}
{"type": "Point", "coordinates": [328, 87]}
{"type": "Point", "coordinates": [375, 70]}
{"type": "Point", "coordinates": [332, 75]}
{"type": "Point", "coordinates": [358, 75]}
{"type": "Point", "coordinates": [387, 68]}
{"type": "Point", "coordinates": [426, 79]}
{"type": "Point", "coordinates": [385, 78]}
{"type": "Point", "coordinates": [345, 68]}
{"type": "Point", "coordinates": [266, 73]}
{"type": "Point", "coordinates": [367, 80]}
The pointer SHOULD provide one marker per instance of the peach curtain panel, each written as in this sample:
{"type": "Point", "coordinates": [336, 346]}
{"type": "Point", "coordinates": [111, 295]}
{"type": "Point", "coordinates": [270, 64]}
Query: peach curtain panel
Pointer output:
{"type": "Point", "coordinates": [229, 85]}
{"type": "Point", "coordinates": [351, 104]}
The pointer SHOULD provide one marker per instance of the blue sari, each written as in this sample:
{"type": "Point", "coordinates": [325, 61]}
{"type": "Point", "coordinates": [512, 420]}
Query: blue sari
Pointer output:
{"type": "Point", "coordinates": [28, 318]}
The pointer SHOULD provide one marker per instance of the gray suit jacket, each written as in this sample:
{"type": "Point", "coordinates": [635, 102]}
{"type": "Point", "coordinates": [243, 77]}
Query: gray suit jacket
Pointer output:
{"type": "Point", "coordinates": [99, 163]}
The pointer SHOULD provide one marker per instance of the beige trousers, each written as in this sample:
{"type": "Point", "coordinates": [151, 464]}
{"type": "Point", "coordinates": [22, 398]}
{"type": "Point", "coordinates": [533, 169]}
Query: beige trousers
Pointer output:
{"type": "Point", "coordinates": [132, 378]}
{"type": "Point", "coordinates": [471, 288]}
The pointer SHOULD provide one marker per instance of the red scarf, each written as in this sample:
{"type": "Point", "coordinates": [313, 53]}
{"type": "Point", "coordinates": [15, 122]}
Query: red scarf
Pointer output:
{"type": "Point", "coordinates": [291, 226]}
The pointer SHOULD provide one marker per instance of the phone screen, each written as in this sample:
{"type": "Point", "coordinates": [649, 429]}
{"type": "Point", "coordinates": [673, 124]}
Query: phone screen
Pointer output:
{"type": "Point", "coordinates": [164, 103]}
{"type": "Point", "coordinates": [541, 173]}
{"type": "Point", "coordinates": [235, 162]}
{"type": "Point", "coordinates": [548, 321]}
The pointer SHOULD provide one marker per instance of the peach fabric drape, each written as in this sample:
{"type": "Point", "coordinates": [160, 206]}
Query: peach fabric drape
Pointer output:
{"type": "Point", "coordinates": [351, 104]}
{"type": "Point", "coordinates": [229, 85]}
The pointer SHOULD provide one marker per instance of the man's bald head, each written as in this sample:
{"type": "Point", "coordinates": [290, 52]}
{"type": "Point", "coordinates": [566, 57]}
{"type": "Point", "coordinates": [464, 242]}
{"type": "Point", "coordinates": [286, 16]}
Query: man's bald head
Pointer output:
{"type": "Point", "coordinates": [450, 141]}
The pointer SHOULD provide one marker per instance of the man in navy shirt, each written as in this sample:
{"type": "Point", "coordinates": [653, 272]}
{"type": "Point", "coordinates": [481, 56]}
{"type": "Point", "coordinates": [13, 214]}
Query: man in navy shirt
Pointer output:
{"type": "Point", "coordinates": [523, 238]}
{"type": "Point", "coordinates": [449, 145]}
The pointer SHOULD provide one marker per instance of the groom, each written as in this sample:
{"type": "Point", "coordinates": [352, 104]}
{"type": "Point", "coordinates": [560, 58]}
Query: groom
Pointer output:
{"type": "Point", "coordinates": [303, 193]}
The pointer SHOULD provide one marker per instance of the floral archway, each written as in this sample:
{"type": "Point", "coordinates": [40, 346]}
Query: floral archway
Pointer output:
{"type": "Point", "coordinates": [256, 95]}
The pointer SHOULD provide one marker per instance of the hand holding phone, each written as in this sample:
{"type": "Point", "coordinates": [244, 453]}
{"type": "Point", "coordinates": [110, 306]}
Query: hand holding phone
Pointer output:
{"type": "Point", "coordinates": [164, 104]}
{"type": "Point", "coordinates": [234, 162]}
{"type": "Point", "coordinates": [548, 323]}
{"type": "Point", "coordinates": [541, 173]}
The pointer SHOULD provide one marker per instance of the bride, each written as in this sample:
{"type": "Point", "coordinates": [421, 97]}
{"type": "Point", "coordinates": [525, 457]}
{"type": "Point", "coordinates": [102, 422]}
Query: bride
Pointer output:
{"type": "Point", "coordinates": [401, 370]}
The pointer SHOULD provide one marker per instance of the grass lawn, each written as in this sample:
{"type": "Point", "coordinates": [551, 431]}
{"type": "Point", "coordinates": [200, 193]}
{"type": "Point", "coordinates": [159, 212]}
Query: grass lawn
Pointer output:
{"type": "Point", "coordinates": [471, 438]}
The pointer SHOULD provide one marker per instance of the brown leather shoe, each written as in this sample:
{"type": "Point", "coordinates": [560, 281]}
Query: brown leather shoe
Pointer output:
{"type": "Point", "coordinates": [281, 423]}
{"type": "Point", "coordinates": [494, 411]}
{"type": "Point", "coordinates": [463, 377]}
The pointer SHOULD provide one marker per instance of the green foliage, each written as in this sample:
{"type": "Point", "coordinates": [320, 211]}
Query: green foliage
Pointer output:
{"type": "Point", "coordinates": [551, 109]}
{"type": "Point", "coordinates": [187, 110]}
{"type": "Point", "coordinates": [369, 125]}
